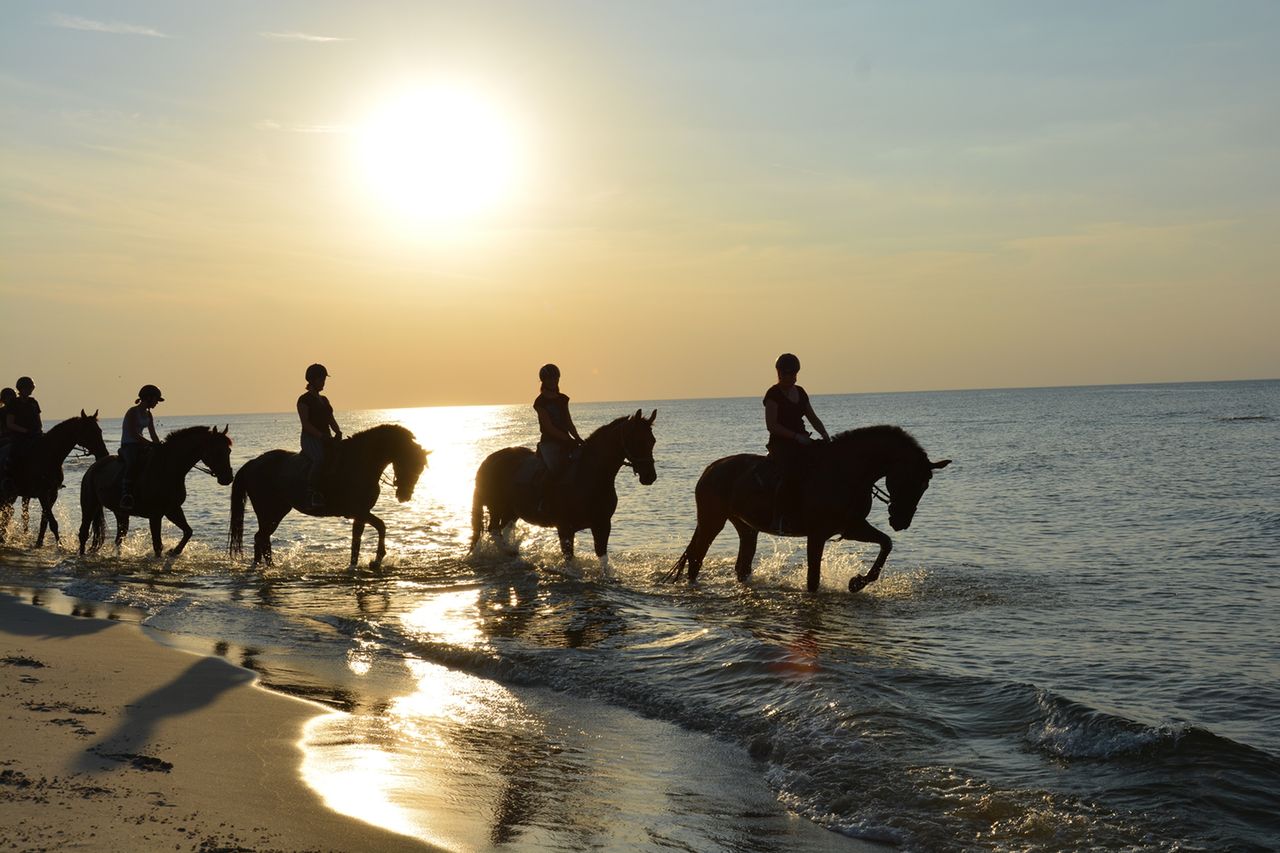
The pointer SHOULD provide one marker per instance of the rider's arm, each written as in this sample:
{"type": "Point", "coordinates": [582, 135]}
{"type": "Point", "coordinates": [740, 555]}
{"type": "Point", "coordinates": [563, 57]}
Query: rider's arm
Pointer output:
{"type": "Point", "coordinates": [12, 425]}
{"type": "Point", "coordinates": [130, 426]}
{"type": "Point", "coordinates": [813, 419]}
{"type": "Point", "coordinates": [151, 428]}
{"type": "Point", "coordinates": [775, 428]}
{"type": "Point", "coordinates": [307, 426]}
{"type": "Point", "coordinates": [573, 430]}
{"type": "Point", "coordinates": [337, 430]}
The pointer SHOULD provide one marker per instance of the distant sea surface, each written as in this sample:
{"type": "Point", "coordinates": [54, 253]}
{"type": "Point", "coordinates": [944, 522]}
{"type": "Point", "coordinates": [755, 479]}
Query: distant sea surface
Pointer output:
{"type": "Point", "coordinates": [1075, 645]}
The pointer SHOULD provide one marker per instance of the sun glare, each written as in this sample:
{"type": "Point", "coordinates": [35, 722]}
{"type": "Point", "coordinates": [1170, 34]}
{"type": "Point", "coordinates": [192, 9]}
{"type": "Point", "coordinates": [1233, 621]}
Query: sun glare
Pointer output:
{"type": "Point", "coordinates": [443, 154]}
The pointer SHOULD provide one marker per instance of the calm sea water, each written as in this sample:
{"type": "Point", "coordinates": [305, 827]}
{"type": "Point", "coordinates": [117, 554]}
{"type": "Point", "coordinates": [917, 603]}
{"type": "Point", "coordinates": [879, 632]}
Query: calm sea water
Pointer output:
{"type": "Point", "coordinates": [1074, 646]}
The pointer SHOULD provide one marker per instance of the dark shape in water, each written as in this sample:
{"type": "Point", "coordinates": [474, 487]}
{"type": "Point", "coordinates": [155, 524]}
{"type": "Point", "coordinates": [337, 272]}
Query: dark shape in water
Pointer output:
{"type": "Point", "coordinates": [276, 482]}
{"type": "Point", "coordinates": [583, 499]}
{"type": "Point", "coordinates": [36, 468]}
{"type": "Point", "coordinates": [160, 488]}
{"type": "Point", "coordinates": [834, 499]}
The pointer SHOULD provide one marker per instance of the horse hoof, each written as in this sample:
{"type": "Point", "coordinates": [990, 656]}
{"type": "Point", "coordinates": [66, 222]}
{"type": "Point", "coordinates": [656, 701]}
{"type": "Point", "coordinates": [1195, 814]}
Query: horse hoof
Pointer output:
{"type": "Point", "coordinates": [858, 583]}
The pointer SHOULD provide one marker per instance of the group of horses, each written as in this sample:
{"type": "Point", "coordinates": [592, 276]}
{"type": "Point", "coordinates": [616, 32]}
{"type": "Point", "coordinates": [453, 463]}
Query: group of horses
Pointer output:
{"type": "Point", "coordinates": [838, 485]}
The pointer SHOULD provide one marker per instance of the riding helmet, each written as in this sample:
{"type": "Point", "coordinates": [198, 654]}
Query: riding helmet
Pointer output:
{"type": "Point", "coordinates": [548, 373]}
{"type": "Point", "coordinates": [149, 392]}
{"type": "Point", "coordinates": [316, 372]}
{"type": "Point", "coordinates": [24, 382]}
{"type": "Point", "coordinates": [787, 363]}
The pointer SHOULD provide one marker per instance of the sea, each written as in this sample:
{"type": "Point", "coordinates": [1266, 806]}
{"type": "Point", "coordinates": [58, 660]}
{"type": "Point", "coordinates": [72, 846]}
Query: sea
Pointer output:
{"type": "Point", "coordinates": [1075, 646]}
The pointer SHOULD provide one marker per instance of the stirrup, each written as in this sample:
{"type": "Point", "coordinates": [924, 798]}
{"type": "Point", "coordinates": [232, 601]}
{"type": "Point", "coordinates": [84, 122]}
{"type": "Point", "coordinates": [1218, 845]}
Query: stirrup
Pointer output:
{"type": "Point", "coordinates": [316, 499]}
{"type": "Point", "coordinates": [126, 501]}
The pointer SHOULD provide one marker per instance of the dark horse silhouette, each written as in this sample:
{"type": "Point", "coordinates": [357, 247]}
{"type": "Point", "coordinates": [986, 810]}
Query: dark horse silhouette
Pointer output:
{"type": "Point", "coordinates": [835, 499]}
{"type": "Point", "coordinates": [586, 498]}
{"type": "Point", "coordinates": [161, 485]}
{"type": "Point", "coordinates": [37, 473]}
{"type": "Point", "coordinates": [276, 482]}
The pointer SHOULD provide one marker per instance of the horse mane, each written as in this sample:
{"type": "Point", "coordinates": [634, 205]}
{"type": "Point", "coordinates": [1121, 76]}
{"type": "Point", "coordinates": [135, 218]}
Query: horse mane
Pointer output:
{"type": "Point", "coordinates": [880, 432]}
{"type": "Point", "coordinates": [604, 427]}
{"type": "Point", "coordinates": [179, 434]}
{"type": "Point", "coordinates": [380, 429]}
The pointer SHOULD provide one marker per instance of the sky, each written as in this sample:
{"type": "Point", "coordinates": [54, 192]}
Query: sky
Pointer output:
{"type": "Point", "coordinates": [660, 197]}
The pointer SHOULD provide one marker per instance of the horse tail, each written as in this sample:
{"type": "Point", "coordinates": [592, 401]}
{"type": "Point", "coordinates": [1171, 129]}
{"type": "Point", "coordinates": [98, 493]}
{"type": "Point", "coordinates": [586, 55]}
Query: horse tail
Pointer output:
{"type": "Point", "coordinates": [477, 513]}
{"type": "Point", "coordinates": [677, 571]}
{"type": "Point", "coordinates": [239, 493]}
{"type": "Point", "coordinates": [92, 519]}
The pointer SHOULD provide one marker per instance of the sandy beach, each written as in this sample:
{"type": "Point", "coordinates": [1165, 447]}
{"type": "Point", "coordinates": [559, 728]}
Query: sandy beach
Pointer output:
{"type": "Point", "coordinates": [111, 741]}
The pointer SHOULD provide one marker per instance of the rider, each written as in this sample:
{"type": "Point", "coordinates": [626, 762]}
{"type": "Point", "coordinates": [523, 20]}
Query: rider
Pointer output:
{"type": "Point", "coordinates": [8, 399]}
{"type": "Point", "coordinates": [22, 425]}
{"type": "Point", "coordinates": [786, 406]}
{"type": "Point", "coordinates": [559, 438]}
{"type": "Point", "coordinates": [133, 443]}
{"type": "Point", "coordinates": [319, 430]}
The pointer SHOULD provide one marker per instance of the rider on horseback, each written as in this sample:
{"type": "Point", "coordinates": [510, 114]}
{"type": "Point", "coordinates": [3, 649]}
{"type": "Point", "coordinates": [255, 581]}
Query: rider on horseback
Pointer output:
{"type": "Point", "coordinates": [559, 438]}
{"type": "Point", "coordinates": [786, 405]}
{"type": "Point", "coordinates": [21, 426]}
{"type": "Point", "coordinates": [133, 444]}
{"type": "Point", "coordinates": [320, 432]}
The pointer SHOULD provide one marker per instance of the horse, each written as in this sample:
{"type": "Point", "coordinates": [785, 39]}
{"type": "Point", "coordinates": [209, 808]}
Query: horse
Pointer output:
{"type": "Point", "coordinates": [837, 486]}
{"type": "Point", "coordinates": [276, 482]}
{"type": "Point", "coordinates": [37, 473]}
{"type": "Point", "coordinates": [161, 485]}
{"type": "Point", "coordinates": [584, 499]}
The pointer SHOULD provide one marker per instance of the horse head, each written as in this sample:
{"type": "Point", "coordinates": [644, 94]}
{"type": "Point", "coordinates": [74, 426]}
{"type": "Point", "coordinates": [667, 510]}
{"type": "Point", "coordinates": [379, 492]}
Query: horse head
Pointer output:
{"type": "Point", "coordinates": [408, 463]}
{"type": "Point", "coordinates": [907, 481]}
{"type": "Point", "coordinates": [215, 453]}
{"type": "Point", "coordinates": [637, 445]}
{"type": "Point", "coordinates": [89, 435]}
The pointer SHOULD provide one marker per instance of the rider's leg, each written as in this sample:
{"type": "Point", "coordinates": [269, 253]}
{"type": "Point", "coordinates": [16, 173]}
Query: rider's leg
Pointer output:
{"type": "Point", "coordinates": [129, 454]}
{"type": "Point", "coordinates": [313, 448]}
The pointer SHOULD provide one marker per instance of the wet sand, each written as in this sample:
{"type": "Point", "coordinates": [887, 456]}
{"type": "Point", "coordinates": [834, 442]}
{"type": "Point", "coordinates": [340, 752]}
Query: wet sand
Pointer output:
{"type": "Point", "coordinates": [110, 741]}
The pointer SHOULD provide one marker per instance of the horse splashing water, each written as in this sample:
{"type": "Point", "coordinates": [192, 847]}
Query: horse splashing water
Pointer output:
{"type": "Point", "coordinates": [276, 482]}
{"type": "Point", "coordinates": [585, 499]}
{"type": "Point", "coordinates": [834, 499]}
{"type": "Point", "coordinates": [161, 487]}
{"type": "Point", "coordinates": [37, 471]}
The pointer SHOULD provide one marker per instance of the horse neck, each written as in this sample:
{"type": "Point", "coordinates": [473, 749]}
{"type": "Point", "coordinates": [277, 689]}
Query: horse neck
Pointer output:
{"type": "Point", "coordinates": [375, 450]}
{"type": "Point", "coordinates": [182, 456]}
{"type": "Point", "coordinates": [869, 459]}
{"type": "Point", "coordinates": [603, 451]}
{"type": "Point", "coordinates": [58, 442]}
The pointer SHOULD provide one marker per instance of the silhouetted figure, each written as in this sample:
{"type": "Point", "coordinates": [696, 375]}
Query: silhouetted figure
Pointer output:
{"type": "Point", "coordinates": [559, 440]}
{"type": "Point", "coordinates": [585, 497]}
{"type": "Point", "coordinates": [276, 482]}
{"type": "Point", "coordinates": [23, 424]}
{"type": "Point", "coordinates": [320, 432]}
{"type": "Point", "coordinates": [786, 405]}
{"type": "Point", "coordinates": [837, 499]}
{"type": "Point", "coordinates": [37, 472]}
{"type": "Point", "coordinates": [161, 485]}
{"type": "Point", "coordinates": [134, 445]}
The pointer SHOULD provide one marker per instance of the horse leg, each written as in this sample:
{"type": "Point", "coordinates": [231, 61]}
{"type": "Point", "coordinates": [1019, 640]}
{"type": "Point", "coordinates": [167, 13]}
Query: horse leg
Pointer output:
{"type": "Point", "coordinates": [357, 534]}
{"type": "Point", "coordinates": [600, 538]}
{"type": "Point", "coordinates": [747, 538]}
{"type": "Point", "coordinates": [706, 531]}
{"type": "Point", "coordinates": [862, 531]}
{"type": "Point", "coordinates": [26, 515]}
{"type": "Point", "coordinates": [382, 540]}
{"type": "Point", "coordinates": [816, 546]}
{"type": "Point", "coordinates": [268, 521]}
{"type": "Point", "coordinates": [566, 542]}
{"type": "Point", "coordinates": [178, 517]}
{"type": "Point", "coordinates": [47, 522]}
{"type": "Point", "coordinates": [122, 527]}
{"type": "Point", "coordinates": [156, 544]}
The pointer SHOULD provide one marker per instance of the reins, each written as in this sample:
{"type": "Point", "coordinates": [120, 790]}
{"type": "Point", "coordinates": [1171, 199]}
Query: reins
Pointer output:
{"type": "Point", "coordinates": [879, 493]}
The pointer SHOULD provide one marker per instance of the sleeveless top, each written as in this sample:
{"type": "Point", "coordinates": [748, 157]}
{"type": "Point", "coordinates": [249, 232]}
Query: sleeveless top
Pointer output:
{"type": "Point", "coordinates": [790, 415]}
{"type": "Point", "coordinates": [319, 411]}
{"type": "Point", "coordinates": [138, 417]}
{"type": "Point", "coordinates": [557, 411]}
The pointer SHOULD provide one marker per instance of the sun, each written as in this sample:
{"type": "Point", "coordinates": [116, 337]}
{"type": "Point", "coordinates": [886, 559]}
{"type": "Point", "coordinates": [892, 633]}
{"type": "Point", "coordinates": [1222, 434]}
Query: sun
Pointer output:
{"type": "Point", "coordinates": [439, 153]}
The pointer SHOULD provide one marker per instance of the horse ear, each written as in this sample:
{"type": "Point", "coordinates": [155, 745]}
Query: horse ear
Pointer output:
{"type": "Point", "coordinates": [653, 417]}
{"type": "Point", "coordinates": [95, 414]}
{"type": "Point", "coordinates": [82, 414]}
{"type": "Point", "coordinates": [943, 464]}
{"type": "Point", "coordinates": [226, 429]}
{"type": "Point", "coordinates": [638, 415]}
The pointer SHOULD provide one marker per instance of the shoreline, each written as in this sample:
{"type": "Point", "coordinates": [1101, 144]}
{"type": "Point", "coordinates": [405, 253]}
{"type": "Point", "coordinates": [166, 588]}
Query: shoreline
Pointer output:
{"type": "Point", "coordinates": [114, 741]}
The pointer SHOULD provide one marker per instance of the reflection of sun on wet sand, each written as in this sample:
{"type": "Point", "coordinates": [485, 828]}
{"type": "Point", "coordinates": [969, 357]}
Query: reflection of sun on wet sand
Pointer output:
{"type": "Point", "coordinates": [113, 742]}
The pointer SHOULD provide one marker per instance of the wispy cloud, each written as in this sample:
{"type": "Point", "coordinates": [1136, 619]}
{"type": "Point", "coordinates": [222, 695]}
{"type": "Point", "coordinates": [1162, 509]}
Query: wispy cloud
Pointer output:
{"type": "Point", "coordinates": [269, 124]}
{"type": "Point", "coordinates": [73, 22]}
{"type": "Point", "coordinates": [300, 37]}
